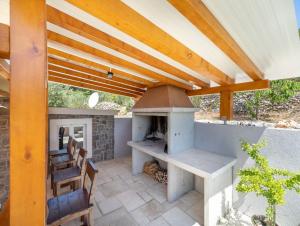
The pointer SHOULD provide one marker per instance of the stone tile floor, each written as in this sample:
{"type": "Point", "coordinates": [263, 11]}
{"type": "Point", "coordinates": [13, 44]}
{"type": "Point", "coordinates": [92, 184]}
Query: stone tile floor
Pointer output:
{"type": "Point", "coordinates": [121, 199]}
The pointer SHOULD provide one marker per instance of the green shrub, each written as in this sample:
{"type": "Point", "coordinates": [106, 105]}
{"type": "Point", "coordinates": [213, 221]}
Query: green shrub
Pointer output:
{"type": "Point", "coordinates": [265, 181]}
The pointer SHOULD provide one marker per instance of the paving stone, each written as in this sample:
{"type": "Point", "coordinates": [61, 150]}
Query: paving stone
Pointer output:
{"type": "Point", "coordinates": [96, 212]}
{"type": "Point", "coordinates": [130, 200]}
{"type": "Point", "coordinates": [119, 217]}
{"type": "Point", "coordinates": [145, 195]}
{"type": "Point", "coordinates": [158, 222]}
{"type": "Point", "coordinates": [158, 192]}
{"type": "Point", "coordinates": [176, 217]}
{"type": "Point", "coordinates": [197, 212]}
{"type": "Point", "coordinates": [99, 196]}
{"type": "Point", "coordinates": [140, 217]}
{"type": "Point", "coordinates": [151, 210]}
{"type": "Point", "coordinates": [113, 188]}
{"type": "Point", "coordinates": [190, 199]}
{"type": "Point", "coordinates": [109, 205]}
{"type": "Point", "coordinates": [103, 179]}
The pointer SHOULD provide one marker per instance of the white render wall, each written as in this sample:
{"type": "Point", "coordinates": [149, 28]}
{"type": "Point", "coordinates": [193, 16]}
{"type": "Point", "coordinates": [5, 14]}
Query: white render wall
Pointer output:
{"type": "Point", "coordinates": [283, 151]}
{"type": "Point", "coordinates": [122, 133]}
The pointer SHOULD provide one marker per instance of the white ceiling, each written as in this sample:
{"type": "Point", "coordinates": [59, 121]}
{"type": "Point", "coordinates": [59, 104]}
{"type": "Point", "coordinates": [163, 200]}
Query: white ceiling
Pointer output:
{"type": "Point", "coordinates": [265, 29]}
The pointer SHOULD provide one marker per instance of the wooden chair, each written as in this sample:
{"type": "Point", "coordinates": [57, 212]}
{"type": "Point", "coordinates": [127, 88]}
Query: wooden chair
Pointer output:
{"type": "Point", "coordinates": [54, 153]}
{"type": "Point", "coordinates": [64, 161]}
{"type": "Point", "coordinates": [69, 176]}
{"type": "Point", "coordinates": [66, 207]}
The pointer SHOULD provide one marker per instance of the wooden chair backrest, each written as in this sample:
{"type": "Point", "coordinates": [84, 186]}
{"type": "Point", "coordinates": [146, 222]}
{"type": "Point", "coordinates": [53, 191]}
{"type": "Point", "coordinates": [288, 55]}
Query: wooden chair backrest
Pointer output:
{"type": "Point", "coordinates": [90, 172]}
{"type": "Point", "coordinates": [69, 145]}
{"type": "Point", "coordinates": [81, 158]}
{"type": "Point", "coordinates": [72, 149]}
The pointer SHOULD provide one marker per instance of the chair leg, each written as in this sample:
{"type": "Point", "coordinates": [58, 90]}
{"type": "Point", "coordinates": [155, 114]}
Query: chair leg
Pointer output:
{"type": "Point", "coordinates": [55, 189]}
{"type": "Point", "coordinates": [90, 218]}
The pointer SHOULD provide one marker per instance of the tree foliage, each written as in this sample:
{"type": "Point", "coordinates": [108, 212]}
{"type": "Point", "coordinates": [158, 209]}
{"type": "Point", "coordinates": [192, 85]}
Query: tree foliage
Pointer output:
{"type": "Point", "coordinates": [72, 97]}
{"type": "Point", "coordinates": [265, 181]}
{"type": "Point", "coordinates": [280, 92]}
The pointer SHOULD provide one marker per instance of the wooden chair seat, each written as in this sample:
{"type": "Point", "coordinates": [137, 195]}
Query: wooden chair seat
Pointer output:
{"type": "Point", "coordinates": [65, 174]}
{"type": "Point", "coordinates": [63, 159]}
{"type": "Point", "coordinates": [54, 153]}
{"type": "Point", "coordinates": [63, 207]}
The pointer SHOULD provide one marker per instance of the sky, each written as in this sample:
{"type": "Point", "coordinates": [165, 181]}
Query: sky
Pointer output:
{"type": "Point", "coordinates": [297, 5]}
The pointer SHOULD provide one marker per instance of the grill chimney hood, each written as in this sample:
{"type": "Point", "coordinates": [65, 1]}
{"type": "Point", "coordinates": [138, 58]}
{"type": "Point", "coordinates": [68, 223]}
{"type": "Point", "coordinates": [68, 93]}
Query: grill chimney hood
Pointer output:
{"type": "Point", "coordinates": [164, 99]}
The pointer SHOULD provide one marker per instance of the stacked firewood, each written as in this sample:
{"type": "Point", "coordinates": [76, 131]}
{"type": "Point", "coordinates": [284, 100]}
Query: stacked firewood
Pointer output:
{"type": "Point", "coordinates": [153, 169]}
{"type": "Point", "coordinates": [161, 176]}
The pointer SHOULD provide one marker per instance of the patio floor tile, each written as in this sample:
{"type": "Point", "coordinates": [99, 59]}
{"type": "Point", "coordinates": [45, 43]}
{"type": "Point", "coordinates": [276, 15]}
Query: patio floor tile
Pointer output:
{"type": "Point", "coordinates": [119, 217]}
{"type": "Point", "coordinates": [113, 188]}
{"type": "Point", "coordinates": [176, 217]}
{"type": "Point", "coordinates": [159, 222]}
{"type": "Point", "coordinates": [130, 200]}
{"type": "Point", "coordinates": [109, 205]}
{"type": "Point", "coordinates": [145, 196]}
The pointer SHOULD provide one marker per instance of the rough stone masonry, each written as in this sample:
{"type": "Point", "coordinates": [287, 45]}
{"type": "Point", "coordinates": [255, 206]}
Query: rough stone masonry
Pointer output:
{"type": "Point", "coordinates": [4, 150]}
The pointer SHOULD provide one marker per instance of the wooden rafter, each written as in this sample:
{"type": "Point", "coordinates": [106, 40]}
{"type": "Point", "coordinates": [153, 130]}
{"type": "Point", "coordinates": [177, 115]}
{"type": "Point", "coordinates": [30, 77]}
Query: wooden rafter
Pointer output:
{"type": "Point", "coordinates": [240, 87]}
{"type": "Point", "coordinates": [94, 83]}
{"type": "Point", "coordinates": [88, 63]}
{"type": "Point", "coordinates": [196, 12]}
{"type": "Point", "coordinates": [91, 79]}
{"type": "Point", "coordinates": [113, 59]}
{"type": "Point", "coordinates": [87, 86]}
{"type": "Point", "coordinates": [4, 41]}
{"type": "Point", "coordinates": [4, 69]}
{"type": "Point", "coordinates": [102, 76]}
{"type": "Point", "coordinates": [70, 23]}
{"type": "Point", "coordinates": [124, 18]}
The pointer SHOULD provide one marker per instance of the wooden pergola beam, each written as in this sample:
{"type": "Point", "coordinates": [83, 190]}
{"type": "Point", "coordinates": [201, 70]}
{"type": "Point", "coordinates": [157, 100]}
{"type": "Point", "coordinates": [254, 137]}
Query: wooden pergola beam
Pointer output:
{"type": "Point", "coordinates": [61, 19]}
{"type": "Point", "coordinates": [28, 112]}
{"type": "Point", "coordinates": [132, 79]}
{"type": "Point", "coordinates": [197, 13]}
{"type": "Point", "coordinates": [83, 85]}
{"type": "Point", "coordinates": [113, 59]}
{"type": "Point", "coordinates": [100, 75]}
{"type": "Point", "coordinates": [239, 87]}
{"type": "Point", "coordinates": [88, 79]}
{"type": "Point", "coordinates": [4, 41]}
{"type": "Point", "coordinates": [124, 18]}
{"type": "Point", "coordinates": [226, 105]}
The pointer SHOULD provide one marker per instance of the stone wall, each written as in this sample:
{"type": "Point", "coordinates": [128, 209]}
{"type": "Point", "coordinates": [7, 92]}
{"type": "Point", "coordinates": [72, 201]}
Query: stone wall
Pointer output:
{"type": "Point", "coordinates": [103, 134]}
{"type": "Point", "coordinates": [4, 150]}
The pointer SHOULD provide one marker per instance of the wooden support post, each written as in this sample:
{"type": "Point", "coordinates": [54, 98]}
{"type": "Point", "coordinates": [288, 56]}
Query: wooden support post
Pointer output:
{"type": "Point", "coordinates": [226, 105]}
{"type": "Point", "coordinates": [28, 112]}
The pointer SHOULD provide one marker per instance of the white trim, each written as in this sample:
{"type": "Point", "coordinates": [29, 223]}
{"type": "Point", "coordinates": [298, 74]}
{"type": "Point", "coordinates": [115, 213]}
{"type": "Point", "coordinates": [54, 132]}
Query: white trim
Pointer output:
{"type": "Point", "coordinates": [74, 111]}
{"type": "Point", "coordinates": [56, 123]}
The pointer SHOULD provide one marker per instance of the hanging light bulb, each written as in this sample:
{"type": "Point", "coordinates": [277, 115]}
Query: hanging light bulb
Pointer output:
{"type": "Point", "coordinates": [110, 74]}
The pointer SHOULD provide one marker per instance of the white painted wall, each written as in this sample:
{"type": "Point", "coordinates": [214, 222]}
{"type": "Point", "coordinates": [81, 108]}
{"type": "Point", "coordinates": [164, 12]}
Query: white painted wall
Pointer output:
{"type": "Point", "coordinates": [122, 134]}
{"type": "Point", "coordinates": [283, 151]}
